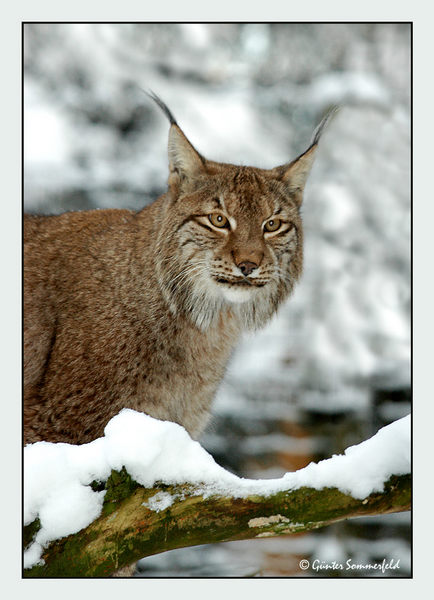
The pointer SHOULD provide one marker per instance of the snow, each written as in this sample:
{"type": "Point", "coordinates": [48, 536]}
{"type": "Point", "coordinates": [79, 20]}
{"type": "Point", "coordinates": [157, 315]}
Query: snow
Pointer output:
{"type": "Point", "coordinates": [363, 468]}
{"type": "Point", "coordinates": [57, 476]}
{"type": "Point", "coordinates": [160, 501]}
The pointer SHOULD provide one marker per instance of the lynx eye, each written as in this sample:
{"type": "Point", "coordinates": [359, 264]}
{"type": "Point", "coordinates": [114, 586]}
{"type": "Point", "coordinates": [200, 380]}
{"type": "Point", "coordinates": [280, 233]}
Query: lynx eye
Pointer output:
{"type": "Point", "coordinates": [218, 220]}
{"type": "Point", "coordinates": [272, 225]}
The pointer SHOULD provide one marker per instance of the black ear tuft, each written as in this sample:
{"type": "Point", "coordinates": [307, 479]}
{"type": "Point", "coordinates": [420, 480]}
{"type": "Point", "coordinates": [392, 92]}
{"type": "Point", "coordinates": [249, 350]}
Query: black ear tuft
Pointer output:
{"type": "Point", "coordinates": [296, 172]}
{"type": "Point", "coordinates": [162, 105]}
{"type": "Point", "coordinates": [323, 124]}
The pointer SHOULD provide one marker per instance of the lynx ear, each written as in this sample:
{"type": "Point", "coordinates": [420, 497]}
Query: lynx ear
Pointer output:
{"type": "Point", "coordinates": [184, 159]}
{"type": "Point", "coordinates": [295, 173]}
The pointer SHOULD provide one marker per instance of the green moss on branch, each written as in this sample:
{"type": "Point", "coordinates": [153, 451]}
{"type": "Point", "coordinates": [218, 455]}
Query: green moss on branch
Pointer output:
{"type": "Point", "coordinates": [128, 529]}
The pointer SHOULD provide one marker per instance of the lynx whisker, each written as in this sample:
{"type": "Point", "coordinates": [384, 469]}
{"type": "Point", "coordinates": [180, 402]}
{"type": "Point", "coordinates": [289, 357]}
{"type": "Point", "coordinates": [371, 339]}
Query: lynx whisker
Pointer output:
{"type": "Point", "coordinates": [198, 267]}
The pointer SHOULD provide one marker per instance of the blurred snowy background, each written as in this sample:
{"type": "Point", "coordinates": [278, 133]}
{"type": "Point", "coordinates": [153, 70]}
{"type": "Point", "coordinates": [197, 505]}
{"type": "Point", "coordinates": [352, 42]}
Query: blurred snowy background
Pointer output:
{"type": "Point", "coordinates": [334, 365]}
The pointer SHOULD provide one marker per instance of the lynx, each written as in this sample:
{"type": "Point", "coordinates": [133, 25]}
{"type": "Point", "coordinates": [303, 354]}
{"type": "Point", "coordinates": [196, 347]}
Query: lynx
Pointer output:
{"type": "Point", "coordinates": [143, 309]}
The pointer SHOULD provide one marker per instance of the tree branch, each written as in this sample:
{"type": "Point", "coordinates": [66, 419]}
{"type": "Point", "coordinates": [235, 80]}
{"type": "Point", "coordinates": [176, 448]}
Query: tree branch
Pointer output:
{"type": "Point", "coordinates": [136, 522]}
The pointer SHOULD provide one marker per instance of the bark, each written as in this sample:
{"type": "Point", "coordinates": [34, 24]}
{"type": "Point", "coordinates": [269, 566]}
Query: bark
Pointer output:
{"type": "Point", "coordinates": [128, 529]}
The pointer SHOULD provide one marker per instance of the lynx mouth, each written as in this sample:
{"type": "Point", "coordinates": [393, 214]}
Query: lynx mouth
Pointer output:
{"type": "Point", "coordinates": [239, 282]}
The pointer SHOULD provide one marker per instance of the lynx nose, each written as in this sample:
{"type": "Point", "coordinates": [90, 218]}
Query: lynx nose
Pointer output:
{"type": "Point", "coordinates": [246, 267]}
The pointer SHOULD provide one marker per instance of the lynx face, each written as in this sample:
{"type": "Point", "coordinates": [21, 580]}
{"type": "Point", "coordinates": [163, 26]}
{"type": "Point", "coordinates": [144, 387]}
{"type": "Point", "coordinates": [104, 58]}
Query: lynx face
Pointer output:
{"type": "Point", "coordinates": [231, 237]}
{"type": "Point", "coordinates": [236, 241]}
{"type": "Point", "coordinates": [239, 243]}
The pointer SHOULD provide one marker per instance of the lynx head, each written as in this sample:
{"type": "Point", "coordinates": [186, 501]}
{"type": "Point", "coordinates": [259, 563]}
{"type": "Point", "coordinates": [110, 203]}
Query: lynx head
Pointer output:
{"type": "Point", "coordinates": [231, 238]}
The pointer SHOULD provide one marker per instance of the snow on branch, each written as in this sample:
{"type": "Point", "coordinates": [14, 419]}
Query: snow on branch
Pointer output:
{"type": "Point", "coordinates": [147, 487]}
